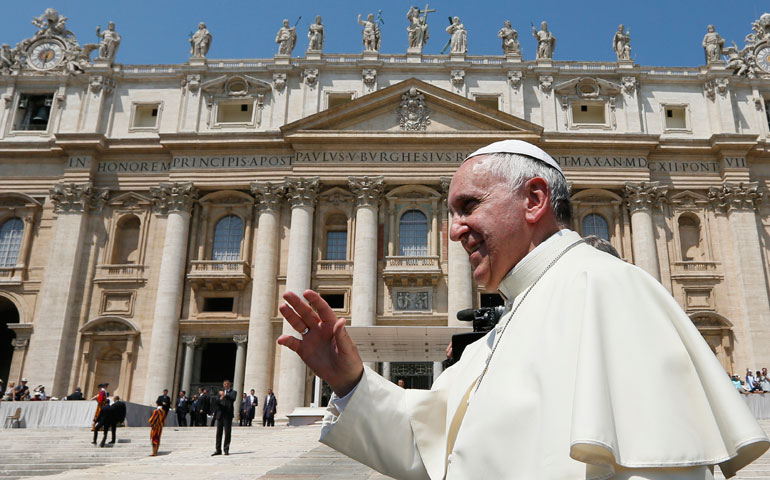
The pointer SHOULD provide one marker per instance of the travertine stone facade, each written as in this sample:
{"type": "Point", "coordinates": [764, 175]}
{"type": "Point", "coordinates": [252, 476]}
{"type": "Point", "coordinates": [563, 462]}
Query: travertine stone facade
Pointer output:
{"type": "Point", "coordinates": [156, 213]}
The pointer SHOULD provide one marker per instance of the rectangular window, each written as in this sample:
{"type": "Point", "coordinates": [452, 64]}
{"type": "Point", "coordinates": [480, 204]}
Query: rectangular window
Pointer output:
{"type": "Point", "coordinates": [146, 116]}
{"type": "Point", "coordinates": [33, 112]}
{"type": "Point", "coordinates": [676, 117]}
{"type": "Point", "coordinates": [241, 112]}
{"type": "Point", "coordinates": [491, 101]}
{"type": "Point", "coordinates": [588, 113]}
{"type": "Point", "coordinates": [335, 300]}
{"type": "Point", "coordinates": [336, 245]}
{"type": "Point", "coordinates": [218, 304]}
{"type": "Point", "coordinates": [337, 99]}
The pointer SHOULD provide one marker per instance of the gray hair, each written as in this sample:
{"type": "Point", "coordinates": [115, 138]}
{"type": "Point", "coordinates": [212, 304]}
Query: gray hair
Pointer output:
{"type": "Point", "coordinates": [517, 169]}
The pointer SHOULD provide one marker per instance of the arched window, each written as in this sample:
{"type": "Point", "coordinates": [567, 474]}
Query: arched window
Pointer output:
{"type": "Point", "coordinates": [413, 234]}
{"type": "Point", "coordinates": [10, 241]}
{"type": "Point", "coordinates": [126, 248]}
{"type": "Point", "coordinates": [689, 238]}
{"type": "Point", "coordinates": [336, 238]}
{"type": "Point", "coordinates": [227, 239]}
{"type": "Point", "coordinates": [595, 224]}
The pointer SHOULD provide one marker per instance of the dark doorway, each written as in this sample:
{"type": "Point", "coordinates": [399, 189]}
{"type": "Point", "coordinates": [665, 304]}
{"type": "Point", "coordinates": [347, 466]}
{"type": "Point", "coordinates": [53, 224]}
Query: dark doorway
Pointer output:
{"type": "Point", "coordinates": [8, 314]}
{"type": "Point", "coordinates": [414, 374]}
{"type": "Point", "coordinates": [217, 362]}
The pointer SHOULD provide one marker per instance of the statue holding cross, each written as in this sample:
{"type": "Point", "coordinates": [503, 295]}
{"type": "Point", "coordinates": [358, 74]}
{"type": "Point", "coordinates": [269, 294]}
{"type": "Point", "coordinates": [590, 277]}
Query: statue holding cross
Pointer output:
{"type": "Point", "coordinates": [418, 27]}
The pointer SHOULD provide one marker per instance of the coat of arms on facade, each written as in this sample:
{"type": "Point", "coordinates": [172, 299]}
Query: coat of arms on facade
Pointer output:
{"type": "Point", "coordinates": [413, 114]}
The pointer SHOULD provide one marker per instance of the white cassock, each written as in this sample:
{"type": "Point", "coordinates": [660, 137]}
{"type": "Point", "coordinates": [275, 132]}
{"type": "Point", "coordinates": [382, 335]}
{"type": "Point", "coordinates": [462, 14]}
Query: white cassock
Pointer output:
{"type": "Point", "coordinates": [599, 374]}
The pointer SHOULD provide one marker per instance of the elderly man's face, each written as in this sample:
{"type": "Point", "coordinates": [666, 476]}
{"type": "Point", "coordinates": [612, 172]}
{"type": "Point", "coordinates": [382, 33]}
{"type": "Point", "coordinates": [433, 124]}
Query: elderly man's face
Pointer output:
{"type": "Point", "coordinates": [488, 219]}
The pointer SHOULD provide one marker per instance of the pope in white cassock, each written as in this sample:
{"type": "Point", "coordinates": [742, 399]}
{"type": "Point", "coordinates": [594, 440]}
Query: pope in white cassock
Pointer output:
{"type": "Point", "coordinates": [639, 393]}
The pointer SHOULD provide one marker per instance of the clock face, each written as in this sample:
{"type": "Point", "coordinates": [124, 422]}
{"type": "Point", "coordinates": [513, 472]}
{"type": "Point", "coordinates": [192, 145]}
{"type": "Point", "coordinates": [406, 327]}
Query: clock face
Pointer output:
{"type": "Point", "coordinates": [45, 55]}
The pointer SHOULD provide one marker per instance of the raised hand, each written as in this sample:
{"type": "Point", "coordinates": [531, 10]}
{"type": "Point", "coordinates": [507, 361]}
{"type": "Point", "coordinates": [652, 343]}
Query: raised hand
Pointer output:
{"type": "Point", "coordinates": [325, 345]}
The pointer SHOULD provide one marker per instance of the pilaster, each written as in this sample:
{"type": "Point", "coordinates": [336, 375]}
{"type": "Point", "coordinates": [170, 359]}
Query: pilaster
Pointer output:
{"type": "Point", "coordinates": [460, 275]}
{"type": "Point", "coordinates": [52, 346]}
{"type": "Point", "coordinates": [739, 202]}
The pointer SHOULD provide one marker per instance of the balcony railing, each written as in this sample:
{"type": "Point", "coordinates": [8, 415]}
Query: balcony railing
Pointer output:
{"type": "Point", "coordinates": [696, 266]}
{"type": "Point", "coordinates": [223, 274]}
{"type": "Point", "coordinates": [333, 267]}
{"type": "Point", "coordinates": [414, 263]}
{"type": "Point", "coordinates": [120, 273]}
{"type": "Point", "coordinates": [408, 271]}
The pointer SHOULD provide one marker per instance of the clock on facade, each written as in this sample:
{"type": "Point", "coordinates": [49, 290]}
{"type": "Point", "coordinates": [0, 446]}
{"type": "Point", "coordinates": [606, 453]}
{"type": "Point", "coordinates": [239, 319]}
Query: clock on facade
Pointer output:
{"type": "Point", "coordinates": [45, 54]}
{"type": "Point", "coordinates": [763, 58]}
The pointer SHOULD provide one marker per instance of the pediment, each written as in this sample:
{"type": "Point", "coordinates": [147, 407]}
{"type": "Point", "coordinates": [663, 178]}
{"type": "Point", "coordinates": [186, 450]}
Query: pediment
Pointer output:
{"type": "Point", "coordinates": [410, 108]}
{"type": "Point", "coordinates": [130, 200]}
{"type": "Point", "coordinates": [689, 199]}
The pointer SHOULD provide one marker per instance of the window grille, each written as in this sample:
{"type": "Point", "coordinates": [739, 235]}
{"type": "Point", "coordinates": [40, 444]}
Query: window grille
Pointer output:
{"type": "Point", "coordinates": [595, 224]}
{"type": "Point", "coordinates": [413, 234]}
{"type": "Point", "coordinates": [10, 241]}
{"type": "Point", "coordinates": [227, 239]}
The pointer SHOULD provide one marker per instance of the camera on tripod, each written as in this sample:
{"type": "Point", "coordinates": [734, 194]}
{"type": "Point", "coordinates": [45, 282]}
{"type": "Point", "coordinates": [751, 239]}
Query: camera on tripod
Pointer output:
{"type": "Point", "coordinates": [484, 319]}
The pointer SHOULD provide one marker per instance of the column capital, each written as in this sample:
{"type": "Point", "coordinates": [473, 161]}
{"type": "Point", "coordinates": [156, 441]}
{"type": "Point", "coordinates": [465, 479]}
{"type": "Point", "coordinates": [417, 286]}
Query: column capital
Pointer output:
{"type": "Point", "coordinates": [269, 195]}
{"type": "Point", "coordinates": [191, 340]}
{"type": "Point", "coordinates": [78, 197]}
{"type": "Point", "coordinates": [174, 197]}
{"type": "Point", "coordinates": [240, 339]}
{"type": "Point", "coordinates": [302, 192]}
{"type": "Point", "coordinates": [445, 181]}
{"type": "Point", "coordinates": [20, 343]}
{"type": "Point", "coordinates": [644, 195]}
{"type": "Point", "coordinates": [731, 196]}
{"type": "Point", "coordinates": [367, 190]}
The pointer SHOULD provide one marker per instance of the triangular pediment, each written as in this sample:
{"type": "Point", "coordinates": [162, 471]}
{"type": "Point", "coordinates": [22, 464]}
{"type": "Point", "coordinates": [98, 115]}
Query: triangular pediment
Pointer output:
{"type": "Point", "coordinates": [412, 108]}
{"type": "Point", "coordinates": [689, 199]}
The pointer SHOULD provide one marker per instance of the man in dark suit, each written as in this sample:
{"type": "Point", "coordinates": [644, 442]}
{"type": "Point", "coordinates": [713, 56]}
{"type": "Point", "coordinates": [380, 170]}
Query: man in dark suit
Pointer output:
{"type": "Point", "coordinates": [204, 407]}
{"type": "Point", "coordinates": [182, 406]}
{"type": "Point", "coordinates": [102, 420]}
{"type": "Point", "coordinates": [76, 395]}
{"type": "Point", "coordinates": [223, 414]}
{"type": "Point", "coordinates": [116, 414]}
{"type": "Point", "coordinates": [253, 402]}
{"type": "Point", "coordinates": [164, 401]}
{"type": "Point", "coordinates": [194, 410]}
{"type": "Point", "coordinates": [268, 412]}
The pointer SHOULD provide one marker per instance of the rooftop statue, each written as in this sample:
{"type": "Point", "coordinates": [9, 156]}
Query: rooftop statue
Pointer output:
{"type": "Point", "coordinates": [371, 33]}
{"type": "Point", "coordinates": [286, 38]}
{"type": "Point", "coordinates": [418, 27]}
{"type": "Point", "coordinates": [621, 43]}
{"type": "Point", "coordinates": [200, 41]}
{"type": "Point", "coordinates": [315, 35]}
{"type": "Point", "coordinates": [754, 58]}
{"type": "Point", "coordinates": [458, 42]}
{"type": "Point", "coordinates": [713, 45]}
{"type": "Point", "coordinates": [110, 41]}
{"type": "Point", "coordinates": [546, 41]}
{"type": "Point", "coordinates": [510, 39]}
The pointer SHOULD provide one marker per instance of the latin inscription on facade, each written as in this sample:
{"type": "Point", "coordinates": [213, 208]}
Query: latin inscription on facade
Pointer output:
{"type": "Point", "coordinates": [231, 162]}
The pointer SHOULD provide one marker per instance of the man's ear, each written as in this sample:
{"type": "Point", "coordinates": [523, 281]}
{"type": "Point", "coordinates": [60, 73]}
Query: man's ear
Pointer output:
{"type": "Point", "coordinates": [538, 197]}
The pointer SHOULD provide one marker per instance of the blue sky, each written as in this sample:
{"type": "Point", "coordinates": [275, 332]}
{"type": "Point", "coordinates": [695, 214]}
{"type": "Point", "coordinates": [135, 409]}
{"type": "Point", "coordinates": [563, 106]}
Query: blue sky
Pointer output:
{"type": "Point", "coordinates": [663, 33]}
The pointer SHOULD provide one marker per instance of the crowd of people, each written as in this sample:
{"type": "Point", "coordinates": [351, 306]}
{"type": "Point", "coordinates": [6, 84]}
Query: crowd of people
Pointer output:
{"type": "Point", "coordinates": [753, 382]}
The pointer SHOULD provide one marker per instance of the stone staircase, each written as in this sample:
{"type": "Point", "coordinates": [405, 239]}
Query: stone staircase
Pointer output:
{"type": "Point", "coordinates": [68, 453]}
{"type": "Point", "coordinates": [280, 452]}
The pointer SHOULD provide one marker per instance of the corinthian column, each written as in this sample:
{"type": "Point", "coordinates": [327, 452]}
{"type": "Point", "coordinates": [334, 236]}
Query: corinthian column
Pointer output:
{"type": "Point", "coordinates": [460, 277]}
{"type": "Point", "coordinates": [364, 299]}
{"type": "Point", "coordinates": [739, 203]}
{"type": "Point", "coordinates": [642, 198]}
{"type": "Point", "coordinates": [175, 200]}
{"type": "Point", "coordinates": [302, 194]}
{"type": "Point", "coordinates": [259, 351]}
{"type": "Point", "coordinates": [49, 361]}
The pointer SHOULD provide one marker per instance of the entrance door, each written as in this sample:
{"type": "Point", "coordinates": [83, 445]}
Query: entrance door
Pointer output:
{"type": "Point", "coordinates": [217, 364]}
{"type": "Point", "coordinates": [8, 314]}
{"type": "Point", "coordinates": [108, 371]}
{"type": "Point", "coordinates": [414, 374]}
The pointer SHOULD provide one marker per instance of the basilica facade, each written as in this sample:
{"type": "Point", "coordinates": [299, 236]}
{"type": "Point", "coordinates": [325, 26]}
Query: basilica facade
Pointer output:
{"type": "Point", "coordinates": [151, 216]}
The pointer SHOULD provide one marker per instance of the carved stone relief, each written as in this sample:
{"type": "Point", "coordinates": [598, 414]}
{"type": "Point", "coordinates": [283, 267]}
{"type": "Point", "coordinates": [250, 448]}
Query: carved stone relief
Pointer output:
{"type": "Point", "coordinates": [413, 114]}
